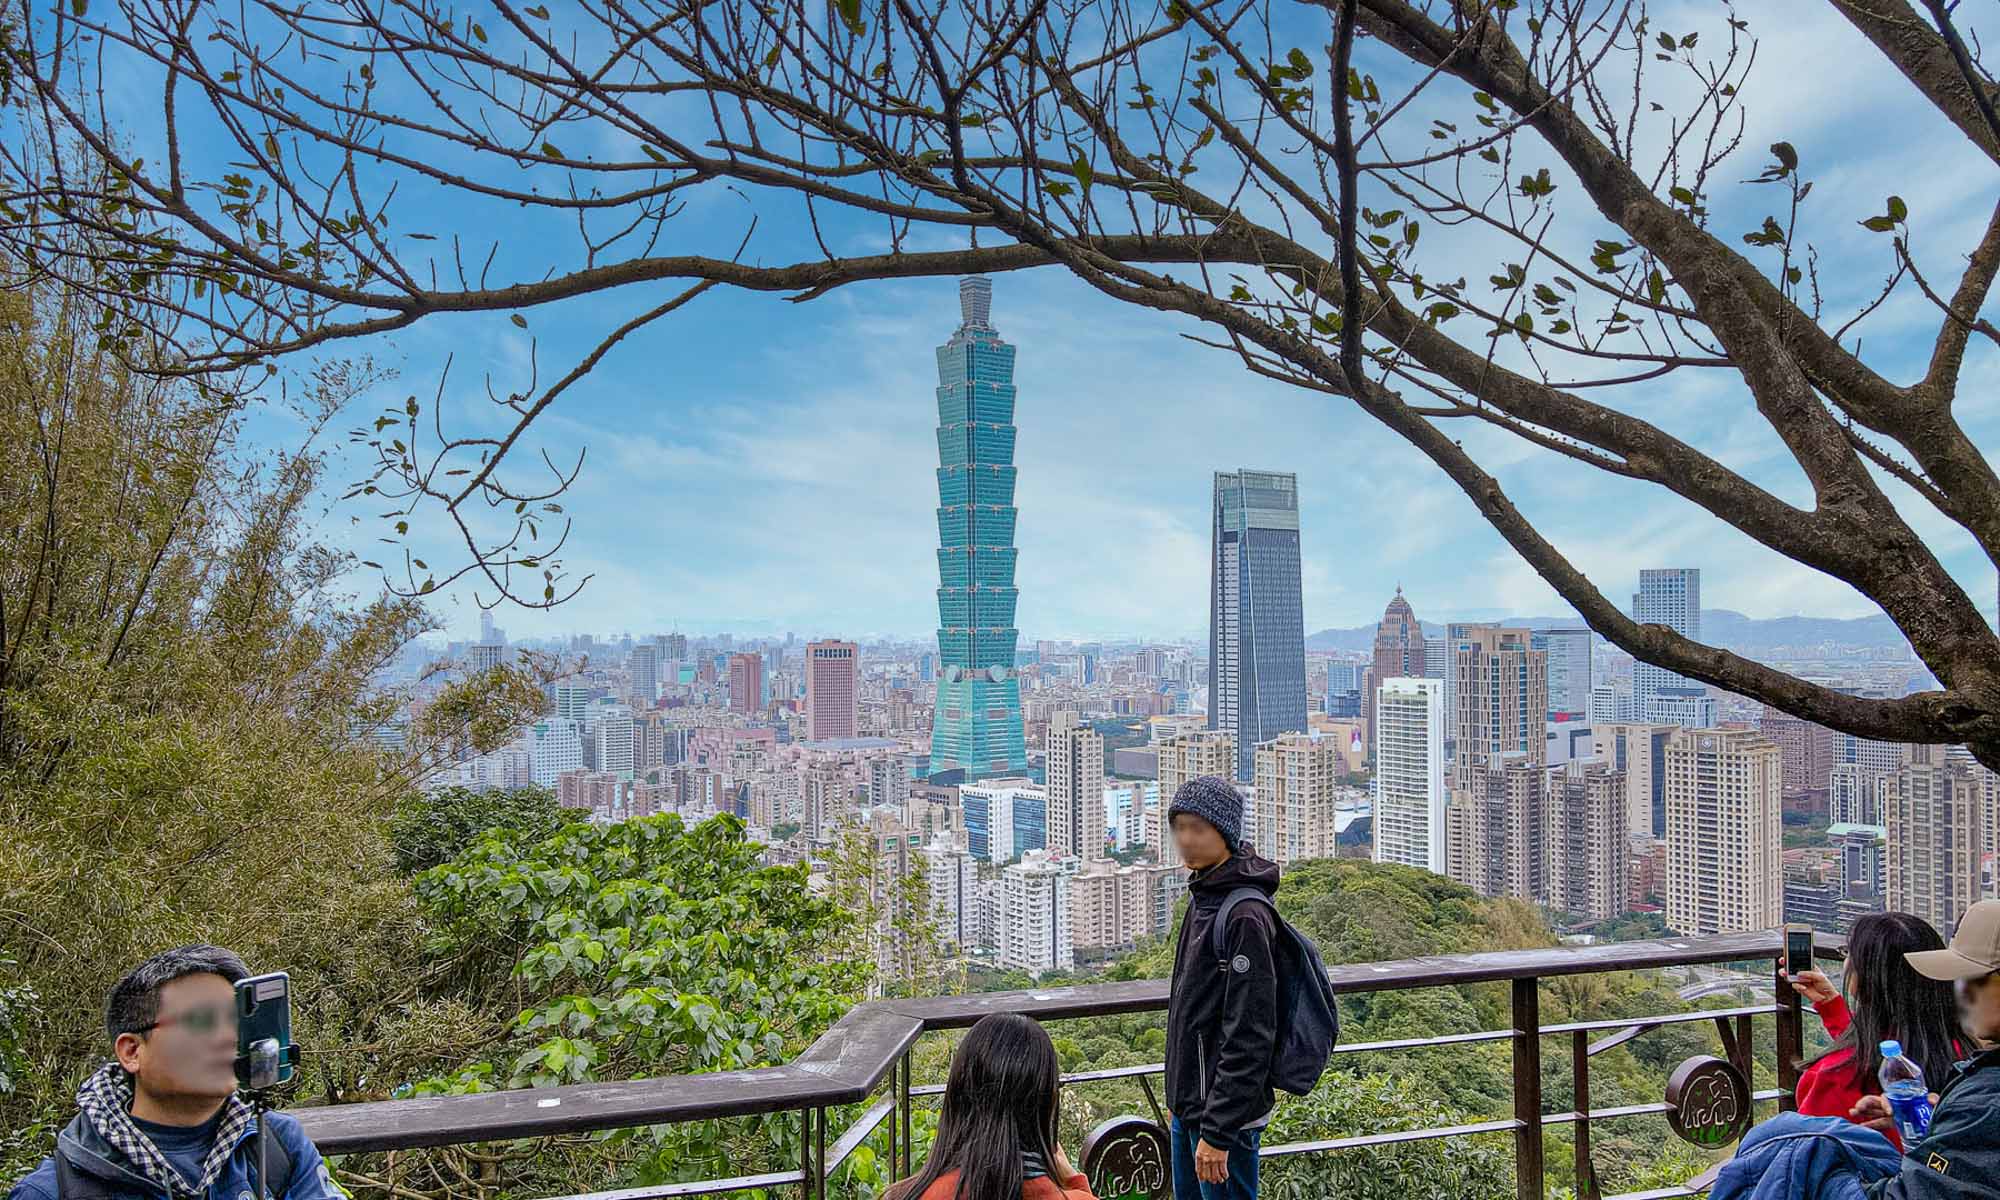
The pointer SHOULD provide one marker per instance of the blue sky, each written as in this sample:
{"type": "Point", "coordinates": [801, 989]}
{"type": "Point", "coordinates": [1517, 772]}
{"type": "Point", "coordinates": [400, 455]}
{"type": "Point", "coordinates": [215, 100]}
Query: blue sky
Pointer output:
{"type": "Point", "coordinates": [764, 466]}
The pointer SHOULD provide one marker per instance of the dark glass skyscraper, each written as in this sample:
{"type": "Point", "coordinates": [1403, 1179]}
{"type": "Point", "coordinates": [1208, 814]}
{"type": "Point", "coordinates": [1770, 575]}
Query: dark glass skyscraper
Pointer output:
{"type": "Point", "coordinates": [1256, 615]}
{"type": "Point", "coordinates": [977, 728]}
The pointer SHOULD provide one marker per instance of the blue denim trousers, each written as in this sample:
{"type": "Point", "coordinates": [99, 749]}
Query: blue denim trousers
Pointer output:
{"type": "Point", "coordinates": [1242, 1181]}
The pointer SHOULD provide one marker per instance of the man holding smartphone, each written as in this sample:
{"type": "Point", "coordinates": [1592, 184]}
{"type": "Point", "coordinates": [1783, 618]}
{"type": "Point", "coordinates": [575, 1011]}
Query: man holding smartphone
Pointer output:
{"type": "Point", "coordinates": [164, 1118]}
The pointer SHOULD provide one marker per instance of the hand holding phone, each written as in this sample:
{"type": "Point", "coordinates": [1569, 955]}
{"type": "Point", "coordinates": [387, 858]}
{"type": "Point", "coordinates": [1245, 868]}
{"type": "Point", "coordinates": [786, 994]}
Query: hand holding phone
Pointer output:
{"type": "Point", "coordinates": [1798, 949]}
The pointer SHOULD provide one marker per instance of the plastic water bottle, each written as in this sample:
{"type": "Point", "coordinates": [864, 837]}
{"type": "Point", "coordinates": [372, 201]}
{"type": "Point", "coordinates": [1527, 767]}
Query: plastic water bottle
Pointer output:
{"type": "Point", "coordinates": [1903, 1086]}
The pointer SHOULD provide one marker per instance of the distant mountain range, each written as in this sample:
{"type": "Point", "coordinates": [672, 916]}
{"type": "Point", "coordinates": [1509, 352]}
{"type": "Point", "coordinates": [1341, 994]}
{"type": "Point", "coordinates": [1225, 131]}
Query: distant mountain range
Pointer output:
{"type": "Point", "coordinates": [1719, 627]}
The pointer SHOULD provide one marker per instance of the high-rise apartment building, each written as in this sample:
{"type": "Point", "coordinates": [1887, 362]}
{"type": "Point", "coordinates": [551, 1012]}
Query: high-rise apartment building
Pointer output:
{"type": "Point", "coordinates": [1587, 839]}
{"type": "Point", "coordinates": [1669, 596]}
{"type": "Point", "coordinates": [1725, 833]}
{"type": "Point", "coordinates": [1639, 752]}
{"type": "Point", "coordinates": [976, 724]}
{"type": "Point", "coordinates": [1035, 934]}
{"type": "Point", "coordinates": [1939, 830]}
{"type": "Point", "coordinates": [833, 691]}
{"type": "Point", "coordinates": [1075, 774]}
{"type": "Point", "coordinates": [1181, 758]}
{"type": "Point", "coordinates": [746, 682]}
{"type": "Point", "coordinates": [1256, 612]}
{"type": "Point", "coordinates": [1112, 907]}
{"type": "Point", "coordinates": [1294, 798]}
{"type": "Point", "coordinates": [1808, 747]}
{"type": "Point", "coordinates": [1410, 795]}
{"type": "Point", "coordinates": [1568, 655]}
{"type": "Point", "coordinates": [1503, 701]}
{"type": "Point", "coordinates": [1496, 830]}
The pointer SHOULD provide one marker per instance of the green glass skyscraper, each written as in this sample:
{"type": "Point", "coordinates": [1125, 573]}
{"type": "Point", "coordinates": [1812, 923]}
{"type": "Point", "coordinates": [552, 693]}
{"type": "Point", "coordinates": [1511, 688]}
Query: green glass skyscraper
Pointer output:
{"type": "Point", "coordinates": [977, 728]}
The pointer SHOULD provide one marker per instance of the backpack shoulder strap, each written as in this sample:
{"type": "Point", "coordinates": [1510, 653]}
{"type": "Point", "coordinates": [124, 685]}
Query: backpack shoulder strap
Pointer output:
{"type": "Point", "coordinates": [1218, 933]}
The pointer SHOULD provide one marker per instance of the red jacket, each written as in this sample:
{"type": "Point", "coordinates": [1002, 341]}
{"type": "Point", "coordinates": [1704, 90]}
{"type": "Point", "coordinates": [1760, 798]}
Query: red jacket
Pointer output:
{"type": "Point", "coordinates": [1040, 1187]}
{"type": "Point", "coordinates": [1827, 1087]}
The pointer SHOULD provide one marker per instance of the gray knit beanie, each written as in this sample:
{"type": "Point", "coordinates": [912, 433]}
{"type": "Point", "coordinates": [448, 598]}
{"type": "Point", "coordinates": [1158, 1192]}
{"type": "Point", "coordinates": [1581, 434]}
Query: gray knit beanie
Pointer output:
{"type": "Point", "coordinates": [1215, 800]}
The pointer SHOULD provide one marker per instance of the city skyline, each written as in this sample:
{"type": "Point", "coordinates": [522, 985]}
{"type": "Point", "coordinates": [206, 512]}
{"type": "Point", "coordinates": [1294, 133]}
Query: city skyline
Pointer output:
{"type": "Point", "coordinates": [818, 484]}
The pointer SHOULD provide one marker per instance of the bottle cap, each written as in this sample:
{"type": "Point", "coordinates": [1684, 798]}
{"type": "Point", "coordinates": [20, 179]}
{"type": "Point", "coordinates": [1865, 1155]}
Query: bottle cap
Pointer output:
{"type": "Point", "coordinates": [1892, 1049]}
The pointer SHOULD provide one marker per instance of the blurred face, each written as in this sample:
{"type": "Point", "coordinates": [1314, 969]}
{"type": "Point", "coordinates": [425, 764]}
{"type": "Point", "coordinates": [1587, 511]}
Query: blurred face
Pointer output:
{"type": "Point", "coordinates": [1979, 999]}
{"type": "Point", "coordinates": [1200, 843]}
{"type": "Point", "coordinates": [190, 1052]}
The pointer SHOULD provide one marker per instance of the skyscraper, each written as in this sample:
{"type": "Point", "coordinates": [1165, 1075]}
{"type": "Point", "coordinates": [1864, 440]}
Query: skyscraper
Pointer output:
{"type": "Point", "coordinates": [976, 728]}
{"type": "Point", "coordinates": [1937, 835]}
{"type": "Point", "coordinates": [833, 691]}
{"type": "Point", "coordinates": [1587, 833]}
{"type": "Point", "coordinates": [1495, 825]}
{"type": "Point", "coordinates": [1076, 787]}
{"type": "Point", "coordinates": [1503, 701]}
{"type": "Point", "coordinates": [1569, 668]}
{"type": "Point", "coordinates": [1409, 773]}
{"type": "Point", "coordinates": [1725, 837]}
{"type": "Point", "coordinates": [746, 682]}
{"type": "Point", "coordinates": [644, 667]}
{"type": "Point", "coordinates": [1401, 652]}
{"type": "Point", "coordinates": [1256, 612]}
{"type": "Point", "coordinates": [1669, 596]}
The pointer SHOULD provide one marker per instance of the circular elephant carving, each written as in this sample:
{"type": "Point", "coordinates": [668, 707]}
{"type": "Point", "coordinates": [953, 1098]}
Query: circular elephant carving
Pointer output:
{"type": "Point", "coordinates": [1126, 1158]}
{"type": "Point", "coordinates": [1708, 1102]}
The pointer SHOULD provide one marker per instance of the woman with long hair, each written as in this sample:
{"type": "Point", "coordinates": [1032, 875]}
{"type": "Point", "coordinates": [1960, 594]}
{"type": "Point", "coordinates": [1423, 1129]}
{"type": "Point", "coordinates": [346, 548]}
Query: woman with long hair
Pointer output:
{"type": "Point", "coordinates": [1885, 1000]}
{"type": "Point", "coordinates": [996, 1135]}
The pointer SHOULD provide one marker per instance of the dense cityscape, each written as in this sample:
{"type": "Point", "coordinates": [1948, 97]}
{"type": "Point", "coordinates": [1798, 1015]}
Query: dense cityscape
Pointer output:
{"type": "Point", "coordinates": [1023, 783]}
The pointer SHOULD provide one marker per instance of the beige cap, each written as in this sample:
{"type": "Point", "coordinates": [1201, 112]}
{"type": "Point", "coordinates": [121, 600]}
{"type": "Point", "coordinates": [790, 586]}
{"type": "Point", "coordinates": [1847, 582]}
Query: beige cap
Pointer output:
{"type": "Point", "coordinates": [1974, 949]}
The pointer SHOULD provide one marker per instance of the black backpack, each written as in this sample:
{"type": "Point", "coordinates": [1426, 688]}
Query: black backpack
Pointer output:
{"type": "Point", "coordinates": [1308, 1022]}
{"type": "Point", "coordinates": [72, 1184]}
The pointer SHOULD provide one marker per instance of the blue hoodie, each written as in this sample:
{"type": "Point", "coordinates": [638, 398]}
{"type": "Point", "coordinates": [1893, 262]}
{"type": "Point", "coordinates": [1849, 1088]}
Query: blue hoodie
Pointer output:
{"type": "Point", "coordinates": [98, 1157]}
{"type": "Point", "coordinates": [1791, 1157]}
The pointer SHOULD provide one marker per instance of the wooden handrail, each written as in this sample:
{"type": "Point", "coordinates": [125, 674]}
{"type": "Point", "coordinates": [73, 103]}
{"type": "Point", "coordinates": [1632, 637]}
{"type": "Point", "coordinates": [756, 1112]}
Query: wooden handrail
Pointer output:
{"type": "Point", "coordinates": [851, 1059]}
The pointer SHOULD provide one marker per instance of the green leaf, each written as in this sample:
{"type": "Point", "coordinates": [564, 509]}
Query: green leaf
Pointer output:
{"type": "Point", "coordinates": [478, 31]}
{"type": "Point", "coordinates": [651, 153]}
{"type": "Point", "coordinates": [1656, 286]}
{"type": "Point", "coordinates": [1880, 224]}
{"type": "Point", "coordinates": [850, 12]}
{"type": "Point", "coordinates": [537, 12]}
{"type": "Point", "coordinates": [1898, 211]}
{"type": "Point", "coordinates": [520, 321]}
{"type": "Point", "coordinates": [1786, 155]}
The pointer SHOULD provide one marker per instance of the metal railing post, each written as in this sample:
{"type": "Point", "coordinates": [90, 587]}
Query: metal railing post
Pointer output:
{"type": "Point", "coordinates": [1527, 1009]}
{"type": "Point", "coordinates": [1791, 1040]}
{"type": "Point", "coordinates": [902, 1117]}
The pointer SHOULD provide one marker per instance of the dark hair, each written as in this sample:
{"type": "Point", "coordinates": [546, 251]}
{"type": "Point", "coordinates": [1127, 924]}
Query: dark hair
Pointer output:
{"type": "Point", "coordinates": [999, 1101]}
{"type": "Point", "coordinates": [134, 1003]}
{"type": "Point", "coordinates": [1888, 999]}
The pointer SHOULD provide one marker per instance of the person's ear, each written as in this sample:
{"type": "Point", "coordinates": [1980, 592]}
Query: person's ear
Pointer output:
{"type": "Point", "coordinates": [126, 1050]}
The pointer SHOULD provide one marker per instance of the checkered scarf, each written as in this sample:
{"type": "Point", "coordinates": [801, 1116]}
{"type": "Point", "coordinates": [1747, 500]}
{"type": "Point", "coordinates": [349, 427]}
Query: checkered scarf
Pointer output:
{"type": "Point", "coordinates": [106, 1101]}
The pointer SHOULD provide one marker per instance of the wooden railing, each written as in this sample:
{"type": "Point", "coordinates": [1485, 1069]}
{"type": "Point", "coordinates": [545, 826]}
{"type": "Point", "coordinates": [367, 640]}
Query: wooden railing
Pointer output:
{"type": "Point", "coordinates": [869, 1052]}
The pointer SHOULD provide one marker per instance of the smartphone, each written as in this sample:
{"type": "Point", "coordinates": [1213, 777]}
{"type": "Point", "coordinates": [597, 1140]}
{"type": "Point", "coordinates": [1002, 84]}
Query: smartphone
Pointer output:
{"type": "Point", "coordinates": [264, 1054]}
{"type": "Point", "coordinates": [1798, 949]}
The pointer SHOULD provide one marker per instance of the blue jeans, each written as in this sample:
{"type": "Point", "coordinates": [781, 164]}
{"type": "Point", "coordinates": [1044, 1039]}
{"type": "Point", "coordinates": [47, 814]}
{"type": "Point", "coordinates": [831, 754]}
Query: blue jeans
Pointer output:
{"type": "Point", "coordinates": [1242, 1182]}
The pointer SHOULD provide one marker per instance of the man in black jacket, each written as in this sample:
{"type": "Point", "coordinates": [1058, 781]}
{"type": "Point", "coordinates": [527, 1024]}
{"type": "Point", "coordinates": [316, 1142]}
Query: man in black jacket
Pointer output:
{"type": "Point", "coordinates": [1959, 1159]}
{"type": "Point", "coordinates": [1222, 1011]}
